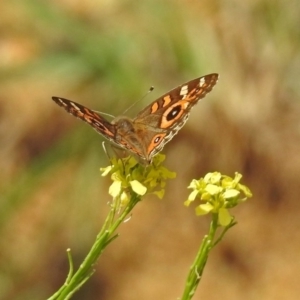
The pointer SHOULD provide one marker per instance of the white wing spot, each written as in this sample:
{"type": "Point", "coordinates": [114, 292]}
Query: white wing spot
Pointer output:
{"type": "Point", "coordinates": [75, 106]}
{"type": "Point", "coordinates": [202, 81]}
{"type": "Point", "coordinates": [62, 102]}
{"type": "Point", "coordinates": [184, 90]}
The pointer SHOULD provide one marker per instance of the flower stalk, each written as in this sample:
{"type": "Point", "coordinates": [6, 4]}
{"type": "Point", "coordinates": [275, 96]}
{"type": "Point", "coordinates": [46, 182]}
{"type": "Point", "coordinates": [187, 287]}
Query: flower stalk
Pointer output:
{"type": "Point", "coordinates": [217, 193]}
{"type": "Point", "coordinates": [131, 181]}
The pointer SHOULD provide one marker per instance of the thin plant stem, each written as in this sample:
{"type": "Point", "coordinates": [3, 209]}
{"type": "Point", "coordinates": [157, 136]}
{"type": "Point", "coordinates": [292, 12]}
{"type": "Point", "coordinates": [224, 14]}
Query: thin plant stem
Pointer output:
{"type": "Point", "coordinates": [86, 269]}
{"type": "Point", "coordinates": [196, 270]}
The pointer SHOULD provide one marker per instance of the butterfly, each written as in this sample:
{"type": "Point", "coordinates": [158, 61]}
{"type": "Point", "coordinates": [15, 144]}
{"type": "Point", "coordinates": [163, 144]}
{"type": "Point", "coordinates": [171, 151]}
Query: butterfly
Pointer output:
{"type": "Point", "coordinates": [154, 126]}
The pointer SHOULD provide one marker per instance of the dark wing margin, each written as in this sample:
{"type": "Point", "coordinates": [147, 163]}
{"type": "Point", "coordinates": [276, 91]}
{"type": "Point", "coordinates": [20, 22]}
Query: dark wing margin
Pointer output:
{"type": "Point", "coordinates": [100, 124]}
{"type": "Point", "coordinates": [199, 88]}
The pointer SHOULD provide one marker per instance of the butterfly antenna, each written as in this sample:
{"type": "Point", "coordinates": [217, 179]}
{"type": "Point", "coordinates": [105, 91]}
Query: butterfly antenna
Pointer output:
{"type": "Point", "coordinates": [105, 114]}
{"type": "Point", "coordinates": [134, 103]}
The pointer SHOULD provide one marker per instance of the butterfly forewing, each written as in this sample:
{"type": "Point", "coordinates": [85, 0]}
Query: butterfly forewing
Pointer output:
{"type": "Point", "coordinates": [99, 123]}
{"type": "Point", "coordinates": [191, 91]}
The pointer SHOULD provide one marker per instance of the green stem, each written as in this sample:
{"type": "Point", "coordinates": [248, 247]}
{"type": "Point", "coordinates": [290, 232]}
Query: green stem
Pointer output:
{"type": "Point", "coordinates": [196, 270]}
{"type": "Point", "coordinates": [232, 223]}
{"type": "Point", "coordinates": [105, 236]}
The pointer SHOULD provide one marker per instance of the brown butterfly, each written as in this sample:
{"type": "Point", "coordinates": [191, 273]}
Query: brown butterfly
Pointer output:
{"type": "Point", "coordinates": [153, 127]}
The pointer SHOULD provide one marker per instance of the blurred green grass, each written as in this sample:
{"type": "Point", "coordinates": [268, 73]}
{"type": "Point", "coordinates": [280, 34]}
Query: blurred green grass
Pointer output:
{"type": "Point", "coordinates": [106, 55]}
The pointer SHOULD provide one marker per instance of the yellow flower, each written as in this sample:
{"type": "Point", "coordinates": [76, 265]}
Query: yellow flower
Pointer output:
{"type": "Point", "coordinates": [219, 193]}
{"type": "Point", "coordinates": [129, 177]}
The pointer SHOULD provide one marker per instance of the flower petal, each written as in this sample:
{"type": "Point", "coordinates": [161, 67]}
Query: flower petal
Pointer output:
{"type": "Point", "coordinates": [138, 188]}
{"type": "Point", "coordinates": [204, 209]}
{"type": "Point", "coordinates": [193, 184]}
{"type": "Point", "coordinates": [193, 195]}
{"type": "Point", "coordinates": [160, 194]}
{"type": "Point", "coordinates": [106, 170]}
{"type": "Point", "coordinates": [124, 199]}
{"type": "Point", "coordinates": [213, 189]}
{"type": "Point", "coordinates": [224, 217]}
{"type": "Point", "coordinates": [115, 188]}
{"type": "Point", "coordinates": [231, 193]}
{"type": "Point", "coordinates": [215, 177]}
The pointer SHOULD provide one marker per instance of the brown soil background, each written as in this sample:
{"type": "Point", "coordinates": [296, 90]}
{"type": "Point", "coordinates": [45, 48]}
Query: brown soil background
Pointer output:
{"type": "Point", "coordinates": [105, 55]}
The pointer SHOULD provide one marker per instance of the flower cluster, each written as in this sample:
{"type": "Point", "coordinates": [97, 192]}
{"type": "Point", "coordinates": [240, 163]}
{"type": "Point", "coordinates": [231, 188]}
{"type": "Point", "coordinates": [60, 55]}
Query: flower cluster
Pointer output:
{"type": "Point", "coordinates": [219, 193]}
{"type": "Point", "coordinates": [130, 177]}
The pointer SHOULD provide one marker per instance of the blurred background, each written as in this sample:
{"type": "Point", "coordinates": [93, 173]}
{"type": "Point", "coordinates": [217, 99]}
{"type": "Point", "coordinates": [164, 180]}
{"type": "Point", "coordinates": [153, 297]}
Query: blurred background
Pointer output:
{"type": "Point", "coordinates": [106, 55]}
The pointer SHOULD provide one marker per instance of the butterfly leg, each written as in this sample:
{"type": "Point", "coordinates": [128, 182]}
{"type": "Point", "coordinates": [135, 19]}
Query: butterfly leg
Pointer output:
{"type": "Point", "coordinates": [105, 151]}
{"type": "Point", "coordinates": [117, 151]}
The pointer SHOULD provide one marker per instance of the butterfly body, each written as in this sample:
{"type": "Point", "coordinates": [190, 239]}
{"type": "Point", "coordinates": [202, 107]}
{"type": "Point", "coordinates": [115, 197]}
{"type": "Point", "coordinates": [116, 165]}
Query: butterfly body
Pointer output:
{"type": "Point", "coordinates": [146, 134]}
